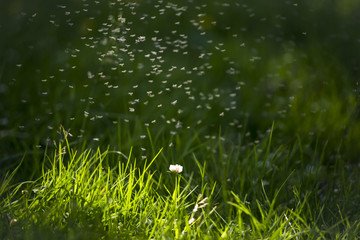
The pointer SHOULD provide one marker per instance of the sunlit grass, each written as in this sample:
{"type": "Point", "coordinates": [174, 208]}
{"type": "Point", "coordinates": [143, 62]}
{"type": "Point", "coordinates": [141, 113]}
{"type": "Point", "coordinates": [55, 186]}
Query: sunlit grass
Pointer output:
{"type": "Point", "coordinates": [107, 194]}
{"type": "Point", "coordinates": [179, 120]}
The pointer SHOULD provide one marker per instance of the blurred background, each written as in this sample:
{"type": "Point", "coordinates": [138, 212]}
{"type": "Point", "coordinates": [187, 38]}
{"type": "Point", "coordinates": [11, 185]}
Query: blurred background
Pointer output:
{"type": "Point", "coordinates": [110, 71]}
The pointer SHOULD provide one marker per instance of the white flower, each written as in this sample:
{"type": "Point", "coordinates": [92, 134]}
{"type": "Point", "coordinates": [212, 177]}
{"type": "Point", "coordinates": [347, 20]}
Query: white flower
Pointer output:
{"type": "Point", "coordinates": [176, 168]}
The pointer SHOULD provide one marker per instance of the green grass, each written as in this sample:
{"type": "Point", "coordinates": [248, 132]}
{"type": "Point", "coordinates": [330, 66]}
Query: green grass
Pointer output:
{"type": "Point", "coordinates": [257, 100]}
{"type": "Point", "coordinates": [257, 192]}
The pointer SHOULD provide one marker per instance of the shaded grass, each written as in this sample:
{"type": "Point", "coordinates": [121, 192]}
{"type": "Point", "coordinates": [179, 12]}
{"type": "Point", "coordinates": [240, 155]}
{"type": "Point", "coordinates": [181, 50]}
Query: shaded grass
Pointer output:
{"type": "Point", "coordinates": [298, 179]}
{"type": "Point", "coordinates": [96, 194]}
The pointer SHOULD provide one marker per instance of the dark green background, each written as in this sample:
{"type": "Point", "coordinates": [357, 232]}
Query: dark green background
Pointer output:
{"type": "Point", "coordinates": [304, 76]}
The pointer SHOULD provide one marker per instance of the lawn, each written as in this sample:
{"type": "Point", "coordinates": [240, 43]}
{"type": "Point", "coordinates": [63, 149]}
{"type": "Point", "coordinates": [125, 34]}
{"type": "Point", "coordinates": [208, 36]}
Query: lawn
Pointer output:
{"type": "Point", "coordinates": [179, 120]}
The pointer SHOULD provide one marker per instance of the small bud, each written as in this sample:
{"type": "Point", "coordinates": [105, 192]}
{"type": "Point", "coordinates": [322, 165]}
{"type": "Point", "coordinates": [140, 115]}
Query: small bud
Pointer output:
{"type": "Point", "coordinates": [13, 221]}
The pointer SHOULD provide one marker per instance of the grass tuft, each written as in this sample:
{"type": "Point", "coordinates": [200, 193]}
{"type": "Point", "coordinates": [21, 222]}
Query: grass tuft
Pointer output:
{"type": "Point", "coordinates": [97, 194]}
